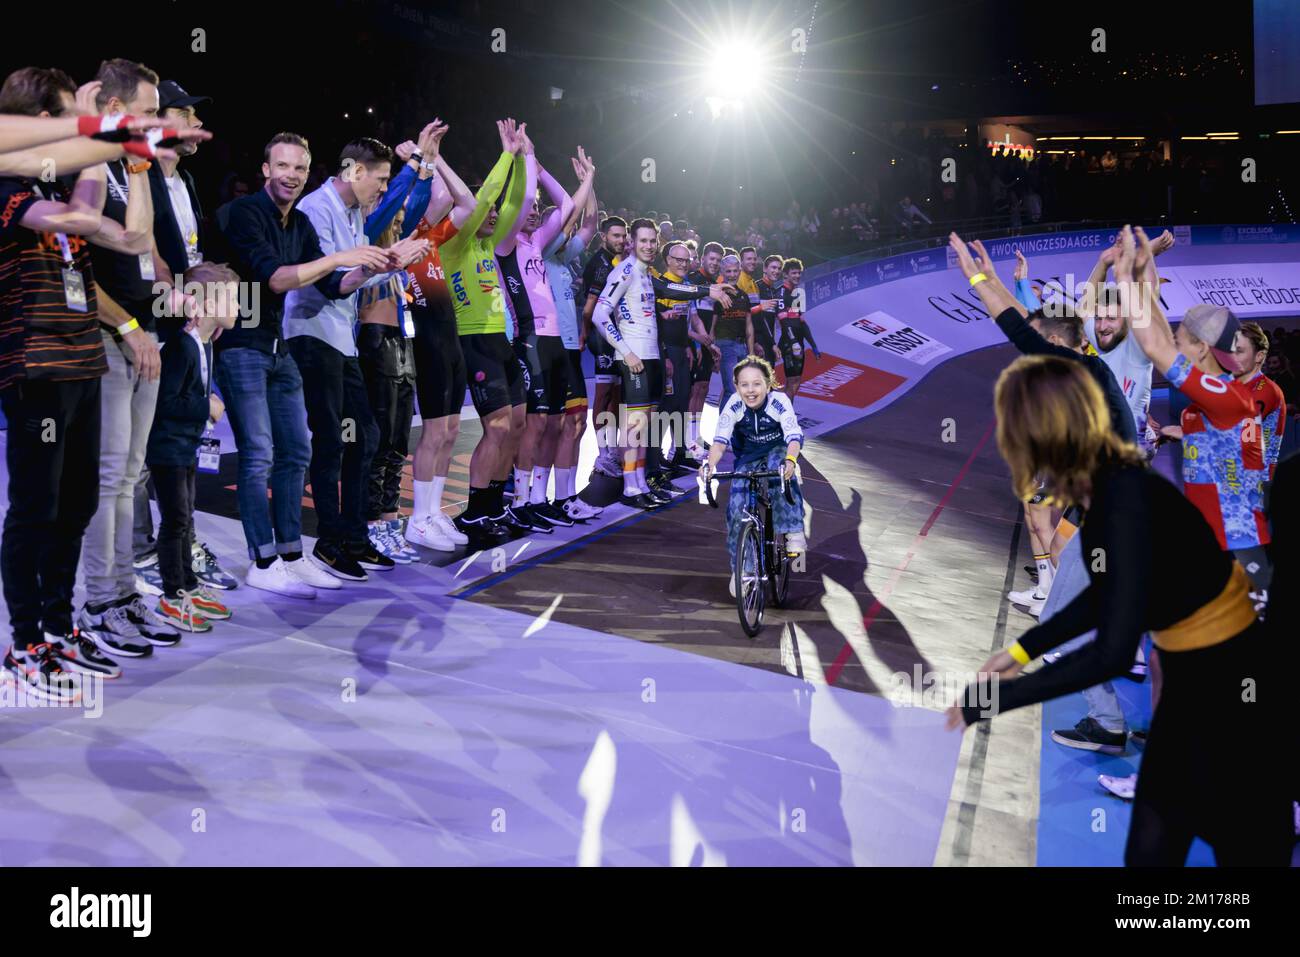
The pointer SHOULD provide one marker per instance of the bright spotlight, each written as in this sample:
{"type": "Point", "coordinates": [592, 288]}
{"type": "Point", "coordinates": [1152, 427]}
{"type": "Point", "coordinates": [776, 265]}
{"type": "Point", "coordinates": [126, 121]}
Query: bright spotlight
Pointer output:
{"type": "Point", "coordinates": [732, 66]}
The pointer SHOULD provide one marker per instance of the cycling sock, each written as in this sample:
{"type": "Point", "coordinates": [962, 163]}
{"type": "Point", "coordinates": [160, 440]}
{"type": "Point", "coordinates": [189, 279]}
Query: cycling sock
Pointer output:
{"type": "Point", "coordinates": [692, 428]}
{"type": "Point", "coordinates": [479, 501]}
{"type": "Point", "coordinates": [1045, 573]}
{"type": "Point", "coordinates": [435, 500]}
{"type": "Point", "coordinates": [266, 562]}
{"type": "Point", "coordinates": [630, 485]}
{"type": "Point", "coordinates": [641, 485]}
{"type": "Point", "coordinates": [537, 494]}
{"type": "Point", "coordinates": [521, 485]}
{"type": "Point", "coordinates": [496, 500]}
{"type": "Point", "coordinates": [565, 480]}
{"type": "Point", "coordinates": [423, 499]}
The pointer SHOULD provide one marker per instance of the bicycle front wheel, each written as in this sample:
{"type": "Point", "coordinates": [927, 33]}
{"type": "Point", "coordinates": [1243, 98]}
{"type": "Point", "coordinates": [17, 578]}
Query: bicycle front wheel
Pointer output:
{"type": "Point", "coordinates": [749, 580]}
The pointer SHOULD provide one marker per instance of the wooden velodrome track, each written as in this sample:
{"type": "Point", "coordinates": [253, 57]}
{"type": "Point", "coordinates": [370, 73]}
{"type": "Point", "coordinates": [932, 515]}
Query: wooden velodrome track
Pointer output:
{"type": "Point", "coordinates": [913, 544]}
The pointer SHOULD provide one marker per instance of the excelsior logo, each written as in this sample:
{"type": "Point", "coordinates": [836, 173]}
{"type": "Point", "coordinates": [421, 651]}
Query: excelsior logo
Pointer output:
{"type": "Point", "coordinates": [845, 382]}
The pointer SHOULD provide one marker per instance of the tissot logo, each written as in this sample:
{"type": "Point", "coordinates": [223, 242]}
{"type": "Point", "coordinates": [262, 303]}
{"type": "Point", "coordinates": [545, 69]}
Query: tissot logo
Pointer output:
{"type": "Point", "coordinates": [133, 911]}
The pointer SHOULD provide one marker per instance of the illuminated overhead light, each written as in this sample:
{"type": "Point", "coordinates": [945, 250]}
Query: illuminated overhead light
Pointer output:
{"type": "Point", "coordinates": [735, 58]}
{"type": "Point", "coordinates": [370, 109]}
{"type": "Point", "coordinates": [1222, 134]}
{"type": "Point", "coordinates": [1099, 137]}
{"type": "Point", "coordinates": [345, 116]}
{"type": "Point", "coordinates": [1284, 132]}
{"type": "Point", "coordinates": [1195, 137]}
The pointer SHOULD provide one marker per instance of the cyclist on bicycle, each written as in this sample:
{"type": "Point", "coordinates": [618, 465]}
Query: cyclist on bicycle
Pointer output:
{"type": "Point", "coordinates": [758, 424]}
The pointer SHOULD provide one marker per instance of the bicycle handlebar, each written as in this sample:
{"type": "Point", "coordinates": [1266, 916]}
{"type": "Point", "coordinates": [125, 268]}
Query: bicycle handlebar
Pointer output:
{"type": "Point", "coordinates": [778, 473]}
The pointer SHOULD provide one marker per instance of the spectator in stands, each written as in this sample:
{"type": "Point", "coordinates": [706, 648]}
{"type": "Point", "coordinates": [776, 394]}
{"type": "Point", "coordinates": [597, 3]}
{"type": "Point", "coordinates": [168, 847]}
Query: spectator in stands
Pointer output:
{"type": "Point", "coordinates": [908, 216]}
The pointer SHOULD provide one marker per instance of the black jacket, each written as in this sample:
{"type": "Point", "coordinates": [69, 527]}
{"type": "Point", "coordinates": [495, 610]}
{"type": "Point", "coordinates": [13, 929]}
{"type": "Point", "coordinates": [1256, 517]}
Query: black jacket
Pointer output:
{"type": "Point", "coordinates": [183, 409]}
{"type": "Point", "coordinates": [166, 231]}
{"type": "Point", "coordinates": [250, 237]}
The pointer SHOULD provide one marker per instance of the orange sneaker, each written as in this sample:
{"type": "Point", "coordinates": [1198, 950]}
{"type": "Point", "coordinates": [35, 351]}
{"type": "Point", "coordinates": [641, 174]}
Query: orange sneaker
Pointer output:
{"type": "Point", "coordinates": [181, 613]}
{"type": "Point", "coordinates": [207, 605]}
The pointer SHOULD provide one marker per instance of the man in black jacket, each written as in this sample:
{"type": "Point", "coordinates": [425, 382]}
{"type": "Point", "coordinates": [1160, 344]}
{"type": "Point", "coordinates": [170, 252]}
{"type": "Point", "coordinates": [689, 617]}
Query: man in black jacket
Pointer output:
{"type": "Point", "coordinates": [275, 248]}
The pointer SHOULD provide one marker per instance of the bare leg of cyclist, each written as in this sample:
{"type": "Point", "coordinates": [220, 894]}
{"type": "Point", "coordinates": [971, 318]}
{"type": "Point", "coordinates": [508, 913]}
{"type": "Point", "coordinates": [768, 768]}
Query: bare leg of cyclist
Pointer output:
{"type": "Point", "coordinates": [544, 458]}
{"type": "Point", "coordinates": [432, 463]}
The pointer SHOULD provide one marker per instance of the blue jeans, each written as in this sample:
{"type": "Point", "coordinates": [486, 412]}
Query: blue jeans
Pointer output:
{"type": "Point", "coordinates": [1070, 582]}
{"type": "Point", "coordinates": [786, 518]}
{"type": "Point", "coordinates": [733, 350]}
{"type": "Point", "coordinates": [263, 396]}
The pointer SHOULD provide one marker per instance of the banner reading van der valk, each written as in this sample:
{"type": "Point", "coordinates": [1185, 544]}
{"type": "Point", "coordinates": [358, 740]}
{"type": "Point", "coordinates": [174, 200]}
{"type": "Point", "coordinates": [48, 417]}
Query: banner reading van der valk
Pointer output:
{"type": "Point", "coordinates": [826, 284]}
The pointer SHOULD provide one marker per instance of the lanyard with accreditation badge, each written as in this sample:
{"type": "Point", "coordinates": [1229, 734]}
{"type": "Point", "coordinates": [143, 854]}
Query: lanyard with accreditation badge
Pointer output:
{"type": "Point", "coordinates": [122, 193]}
{"type": "Point", "coordinates": [74, 284]}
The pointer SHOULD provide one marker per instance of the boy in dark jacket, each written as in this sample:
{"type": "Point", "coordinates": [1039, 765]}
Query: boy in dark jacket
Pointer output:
{"type": "Point", "coordinates": [185, 405]}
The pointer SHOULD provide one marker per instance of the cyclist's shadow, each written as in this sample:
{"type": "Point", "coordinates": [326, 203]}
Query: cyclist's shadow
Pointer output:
{"type": "Point", "coordinates": [834, 582]}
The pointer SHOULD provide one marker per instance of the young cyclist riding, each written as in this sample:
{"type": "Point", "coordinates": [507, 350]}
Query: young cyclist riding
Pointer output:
{"type": "Point", "coordinates": [759, 425]}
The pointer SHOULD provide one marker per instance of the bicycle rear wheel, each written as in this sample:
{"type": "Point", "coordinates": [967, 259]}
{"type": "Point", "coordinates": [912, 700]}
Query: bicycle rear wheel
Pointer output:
{"type": "Point", "coordinates": [749, 581]}
{"type": "Point", "coordinates": [778, 570]}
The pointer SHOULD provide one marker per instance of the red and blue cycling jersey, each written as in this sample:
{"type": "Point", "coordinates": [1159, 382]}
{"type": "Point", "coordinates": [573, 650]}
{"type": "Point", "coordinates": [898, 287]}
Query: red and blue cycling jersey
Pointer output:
{"type": "Point", "coordinates": [1223, 454]}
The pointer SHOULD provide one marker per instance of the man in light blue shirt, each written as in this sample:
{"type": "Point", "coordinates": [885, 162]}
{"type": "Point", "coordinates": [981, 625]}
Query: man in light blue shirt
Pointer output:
{"type": "Point", "coordinates": [322, 339]}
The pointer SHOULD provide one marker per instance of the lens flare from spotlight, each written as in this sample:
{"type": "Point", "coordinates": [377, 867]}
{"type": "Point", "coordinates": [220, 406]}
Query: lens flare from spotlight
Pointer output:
{"type": "Point", "coordinates": [735, 66]}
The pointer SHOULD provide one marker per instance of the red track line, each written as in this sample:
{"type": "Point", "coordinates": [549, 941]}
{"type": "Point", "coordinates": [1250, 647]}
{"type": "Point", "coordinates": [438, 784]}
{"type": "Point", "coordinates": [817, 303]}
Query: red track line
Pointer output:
{"type": "Point", "coordinates": [837, 666]}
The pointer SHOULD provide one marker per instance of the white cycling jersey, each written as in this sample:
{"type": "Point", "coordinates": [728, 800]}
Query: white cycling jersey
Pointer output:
{"type": "Point", "coordinates": [625, 311]}
{"type": "Point", "coordinates": [751, 433]}
{"type": "Point", "coordinates": [1132, 371]}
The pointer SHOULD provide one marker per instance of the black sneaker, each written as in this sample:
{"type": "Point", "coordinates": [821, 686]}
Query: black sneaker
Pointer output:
{"type": "Point", "coordinates": [112, 631]}
{"type": "Point", "coordinates": [148, 622]}
{"type": "Point", "coordinates": [482, 532]}
{"type": "Point", "coordinates": [519, 518]}
{"type": "Point", "coordinates": [646, 501]}
{"type": "Point", "coordinates": [1088, 735]}
{"type": "Point", "coordinates": [337, 562]}
{"type": "Point", "coordinates": [551, 513]}
{"type": "Point", "coordinates": [39, 671]}
{"type": "Point", "coordinates": [77, 653]}
{"type": "Point", "coordinates": [1032, 571]}
{"type": "Point", "coordinates": [367, 556]}
{"type": "Point", "coordinates": [664, 488]}
{"type": "Point", "coordinates": [664, 496]}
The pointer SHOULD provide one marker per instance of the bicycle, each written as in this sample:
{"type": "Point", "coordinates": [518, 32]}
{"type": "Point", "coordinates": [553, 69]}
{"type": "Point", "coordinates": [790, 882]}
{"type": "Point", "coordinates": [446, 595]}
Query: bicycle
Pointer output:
{"type": "Point", "coordinates": [761, 558]}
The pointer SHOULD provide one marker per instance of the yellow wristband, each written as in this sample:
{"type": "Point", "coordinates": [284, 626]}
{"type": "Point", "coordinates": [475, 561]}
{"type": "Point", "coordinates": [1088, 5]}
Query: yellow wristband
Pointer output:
{"type": "Point", "coordinates": [126, 327]}
{"type": "Point", "coordinates": [791, 458]}
{"type": "Point", "coordinates": [978, 278]}
{"type": "Point", "coordinates": [1018, 653]}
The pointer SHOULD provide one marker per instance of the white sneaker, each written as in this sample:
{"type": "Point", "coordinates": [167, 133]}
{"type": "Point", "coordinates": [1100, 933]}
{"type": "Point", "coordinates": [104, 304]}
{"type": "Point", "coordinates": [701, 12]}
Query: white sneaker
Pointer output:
{"type": "Point", "coordinates": [311, 574]}
{"type": "Point", "coordinates": [448, 528]}
{"type": "Point", "coordinates": [795, 543]}
{"type": "Point", "coordinates": [1123, 788]}
{"type": "Point", "coordinates": [423, 531]}
{"type": "Point", "coordinates": [1026, 597]}
{"type": "Point", "coordinates": [1036, 606]}
{"type": "Point", "coordinates": [578, 510]}
{"type": "Point", "coordinates": [279, 578]}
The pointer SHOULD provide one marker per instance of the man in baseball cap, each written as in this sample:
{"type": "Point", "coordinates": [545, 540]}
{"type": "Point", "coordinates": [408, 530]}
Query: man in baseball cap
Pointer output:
{"type": "Point", "coordinates": [1213, 326]}
{"type": "Point", "coordinates": [172, 96]}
